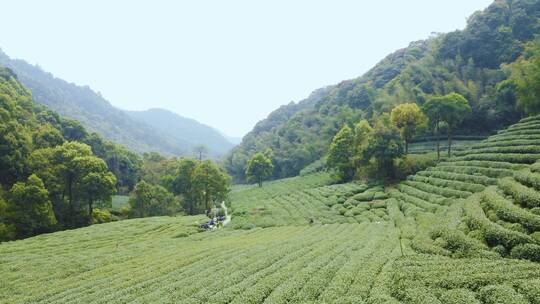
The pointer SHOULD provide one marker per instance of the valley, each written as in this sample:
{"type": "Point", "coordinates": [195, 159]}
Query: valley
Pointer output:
{"type": "Point", "coordinates": [416, 182]}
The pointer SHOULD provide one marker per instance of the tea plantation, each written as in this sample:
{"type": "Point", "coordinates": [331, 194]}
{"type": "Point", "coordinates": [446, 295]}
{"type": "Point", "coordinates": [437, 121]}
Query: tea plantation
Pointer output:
{"type": "Point", "coordinates": [465, 231]}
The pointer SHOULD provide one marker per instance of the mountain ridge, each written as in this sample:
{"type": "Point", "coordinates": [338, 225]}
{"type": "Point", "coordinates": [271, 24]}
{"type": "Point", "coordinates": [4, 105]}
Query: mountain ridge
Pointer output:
{"type": "Point", "coordinates": [96, 113]}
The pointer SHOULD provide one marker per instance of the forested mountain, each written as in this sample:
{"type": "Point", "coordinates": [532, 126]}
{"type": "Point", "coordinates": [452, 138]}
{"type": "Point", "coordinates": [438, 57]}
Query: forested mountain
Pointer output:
{"type": "Point", "coordinates": [98, 115]}
{"type": "Point", "coordinates": [474, 62]}
{"type": "Point", "coordinates": [186, 131]}
{"type": "Point", "coordinates": [52, 171]}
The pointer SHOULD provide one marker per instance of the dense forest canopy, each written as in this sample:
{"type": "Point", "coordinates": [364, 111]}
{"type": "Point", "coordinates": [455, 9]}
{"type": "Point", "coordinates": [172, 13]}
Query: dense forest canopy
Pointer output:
{"type": "Point", "coordinates": [52, 171]}
{"type": "Point", "coordinates": [474, 62]}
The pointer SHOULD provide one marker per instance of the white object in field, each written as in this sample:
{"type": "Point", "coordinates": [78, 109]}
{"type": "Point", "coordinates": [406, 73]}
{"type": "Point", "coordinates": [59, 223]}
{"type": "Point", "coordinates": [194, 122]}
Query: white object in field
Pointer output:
{"type": "Point", "coordinates": [227, 216]}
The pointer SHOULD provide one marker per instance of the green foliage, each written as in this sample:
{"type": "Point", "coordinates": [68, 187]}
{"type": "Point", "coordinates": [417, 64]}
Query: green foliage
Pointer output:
{"type": "Point", "coordinates": [521, 194]}
{"type": "Point", "coordinates": [474, 62]}
{"type": "Point", "coordinates": [494, 294]}
{"type": "Point", "coordinates": [384, 146]}
{"type": "Point", "coordinates": [29, 209]}
{"type": "Point", "coordinates": [151, 200]}
{"type": "Point", "coordinates": [526, 76]}
{"type": "Point", "coordinates": [37, 143]}
{"type": "Point", "coordinates": [411, 164]}
{"type": "Point", "coordinates": [527, 252]}
{"type": "Point", "coordinates": [407, 117]}
{"type": "Point", "coordinates": [210, 184]}
{"type": "Point", "coordinates": [259, 167]}
{"type": "Point", "coordinates": [100, 216]}
{"type": "Point", "coordinates": [200, 185]}
{"type": "Point", "coordinates": [341, 153]}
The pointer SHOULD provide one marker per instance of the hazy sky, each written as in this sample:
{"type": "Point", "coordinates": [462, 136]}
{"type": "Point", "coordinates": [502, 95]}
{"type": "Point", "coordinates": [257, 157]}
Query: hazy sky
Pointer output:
{"type": "Point", "coordinates": [225, 63]}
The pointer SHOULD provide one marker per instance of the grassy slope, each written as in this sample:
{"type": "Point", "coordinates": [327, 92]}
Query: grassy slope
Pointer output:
{"type": "Point", "coordinates": [416, 247]}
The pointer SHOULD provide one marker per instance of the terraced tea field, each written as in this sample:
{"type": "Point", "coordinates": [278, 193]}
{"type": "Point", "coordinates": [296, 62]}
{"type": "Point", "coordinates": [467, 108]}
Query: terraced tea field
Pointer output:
{"type": "Point", "coordinates": [459, 144]}
{"type": "Point", "coordinates": [465, 231]}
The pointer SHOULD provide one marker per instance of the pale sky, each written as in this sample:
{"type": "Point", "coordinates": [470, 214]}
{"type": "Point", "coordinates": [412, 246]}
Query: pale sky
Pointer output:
{"type": "Point", "coordinates": [225, 63]}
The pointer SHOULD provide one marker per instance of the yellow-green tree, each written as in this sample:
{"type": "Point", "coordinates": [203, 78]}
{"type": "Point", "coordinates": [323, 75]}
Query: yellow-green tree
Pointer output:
{"type": "Point", "coordinates": [526, 76]}
{"type": "Point", "coordinates": [362, 133]}
{"type": "Point", "coordinates": [259, 167]}
{"type": "Point", "coordinates": [407, 118]}
{"type": "Point", "coordinates": [341, 154]}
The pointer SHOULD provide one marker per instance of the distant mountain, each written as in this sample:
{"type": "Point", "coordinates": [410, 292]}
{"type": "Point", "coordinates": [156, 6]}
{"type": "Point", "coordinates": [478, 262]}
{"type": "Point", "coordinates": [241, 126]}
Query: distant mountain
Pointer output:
{"type": "Point", "coordinates": [98, 115]}
{"type": "Point", "coordinates": [186, 130]}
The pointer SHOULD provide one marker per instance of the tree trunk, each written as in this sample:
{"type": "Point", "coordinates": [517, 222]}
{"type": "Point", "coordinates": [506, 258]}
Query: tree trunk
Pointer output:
{"type": "Point", "coordinates": [449, 143]}
{"type": "Point", "coordinates": [70, 193]}
{"type": "Point", "coordinates": [260, 181]}
{"type": "Point", "coordinates": [438, 141]}
{"type": "Point", "coordinates": [90, 210]}
{"type": "Point", "coordinates": [406, 147]}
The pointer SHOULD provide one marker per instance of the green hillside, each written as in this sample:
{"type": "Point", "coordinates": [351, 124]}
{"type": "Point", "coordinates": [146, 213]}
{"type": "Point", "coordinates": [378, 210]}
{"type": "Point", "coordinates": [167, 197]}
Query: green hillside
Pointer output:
{"type": "Point", "coordinates": [474, 62]}
{"type": "Point", "coordinates": [465, 231]}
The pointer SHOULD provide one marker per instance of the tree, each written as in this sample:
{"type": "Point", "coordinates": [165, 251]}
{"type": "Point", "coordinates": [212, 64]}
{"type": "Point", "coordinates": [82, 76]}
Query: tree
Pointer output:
{"type": "Point", "coordinates": [341, 153]}
{"type": "Point", "coordinates": [30, 209]}
{"type": "Point", "coordinates": [151, 200]}
{"type": "Point", "coordinates": [47, 136]}
{"type": "Point", "coordinates": [198, 184]}
{"type": "Point", "coordinates": [64, 169]}
{"type": "Point", "coordinates": [384, 146]}
{"type": "Point", "coordinates": [200, 152]}
{"type": "Point", "coordinates": [526, 76]}
{"type": "Point", "coordinates": [407, 117]}
{"type": "Point", "coordinates": [7, 229]}
{"type": "Point", "coordinates": [455, 108]}
{"type": "Point", "coordinates": [210, 183]}
{"type": "Point", "coordinates": [433, 109]}
{"type": "Point", "coordinates": [362, 133]}
{"type": "Point", "coordinates": [259, 167]}
{"type": "Point", "coordinates": [98, 187]}
{"type": "Point", "coordinates": [15, 145]}
{"type": "Point", "coordinates": [181, 183]}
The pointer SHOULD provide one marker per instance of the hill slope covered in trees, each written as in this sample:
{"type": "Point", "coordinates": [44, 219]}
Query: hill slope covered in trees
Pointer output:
{"type": "Point", "coordinates": [52, 171]}
{"type": "Point", "coordinates": [473, 62]}
{"type": "Point", "coordinates": [189, 132]}
{"type": "Point", "coordinates": [136, 131]}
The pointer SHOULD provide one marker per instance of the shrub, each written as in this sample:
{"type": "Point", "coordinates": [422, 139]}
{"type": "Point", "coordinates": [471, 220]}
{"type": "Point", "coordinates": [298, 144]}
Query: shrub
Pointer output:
{"type": "Point", "coordinates": [465, 178]}
{"type": "Point", "coordinates": [471, 170]}
{"type": "Point", "coordinates": [445, 192]}
{"type": "Point", "coordinates": [458, 243]}
{"type": "Point", "coordinates": [525, 196]}
{"type": "Point", "coordinates": [458, 296]}
{"type": "Point", "coordinates": [495, 234]}
{"type": "Point", "coordinates": [528, 178]}
{"type": "Point", "coordinates": [100, 216]}
{"type": "Point", "coordinates": [410, 164]}
{"type": "Point", "coordinates": [457, 185]}
{"type": "Point", "coordinates": [527, 252]}
{"type": "Point", "coordinates": [498, 294]}
{"type": "Point", "coordinates": [502, 157]}
{"type": "Point", "coordinates": [507, 211]}
{"type": "Point", "coordinates": [535, 167]}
